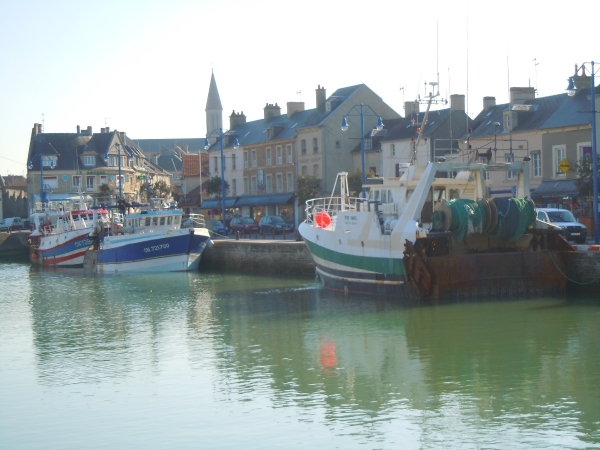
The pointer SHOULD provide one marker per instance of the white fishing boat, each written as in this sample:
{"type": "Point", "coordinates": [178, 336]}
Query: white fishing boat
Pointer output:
{"type": "Point", "coordinates": [60, 236]}
{"type": "Point", "coordinates": [151, 240]}
{"type": "Point", "coordinates": [426, 235]}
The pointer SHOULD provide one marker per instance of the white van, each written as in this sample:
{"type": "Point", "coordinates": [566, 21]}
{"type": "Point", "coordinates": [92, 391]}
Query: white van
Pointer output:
{"type": "Point", "coordinates": [11, 224]}
{"type": "Point", "coordinates": [573, 230]}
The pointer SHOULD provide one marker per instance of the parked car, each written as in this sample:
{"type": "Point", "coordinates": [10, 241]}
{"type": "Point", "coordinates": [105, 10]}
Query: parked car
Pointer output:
{"type": "Point", "coordinates": [11, 224]}
{"type": "Point", "coordinates": [268, 224]}
{"type": "Point", "coordinates": [245, 225]}
{"type": "Point", "coordinates": [216, 227]}
{"type": "Point", "coordinates": [573, 230]}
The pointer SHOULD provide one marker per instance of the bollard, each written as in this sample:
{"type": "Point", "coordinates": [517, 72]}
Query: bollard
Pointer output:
{"type": "Point", "coordinates": [237, 235]}
{"type": "Point", "coordinates": [273, 232]}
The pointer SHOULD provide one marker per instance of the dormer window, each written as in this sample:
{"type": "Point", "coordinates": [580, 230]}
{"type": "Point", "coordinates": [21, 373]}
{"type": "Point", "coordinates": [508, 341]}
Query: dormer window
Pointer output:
{"type": "Point", "coordinates": [89, 160]}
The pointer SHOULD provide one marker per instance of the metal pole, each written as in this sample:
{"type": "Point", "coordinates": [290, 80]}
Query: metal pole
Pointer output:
{"type": "Point", "coordinates": [362, 151]}
{"type": "Point", "coordinates": [42, 180]}
{"type": "Point", "coordinates": [222, 179]}
{"type": "Point", "coordinates": [120, 181]}
{"type": "Point", "coordinates": [594, 159]}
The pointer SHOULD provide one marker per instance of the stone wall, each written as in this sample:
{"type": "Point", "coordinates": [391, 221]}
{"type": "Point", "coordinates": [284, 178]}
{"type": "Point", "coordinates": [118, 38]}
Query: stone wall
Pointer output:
{"type": "Point", "coordinates": [259, 257]}
{"type": "Point", "coordinates": [584, 272]}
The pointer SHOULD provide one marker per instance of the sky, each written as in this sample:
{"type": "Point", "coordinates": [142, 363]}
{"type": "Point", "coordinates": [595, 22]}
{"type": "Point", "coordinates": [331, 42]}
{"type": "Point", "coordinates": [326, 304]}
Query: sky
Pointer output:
{"type": "Point", "coordinates": [144, 66]}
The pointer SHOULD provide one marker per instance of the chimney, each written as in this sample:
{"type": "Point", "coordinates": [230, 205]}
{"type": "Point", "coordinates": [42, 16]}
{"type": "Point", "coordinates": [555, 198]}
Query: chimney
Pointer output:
{"type": "Point", "coordinates": [518, 95]}
{"type": "Point", "coordinates": [457, 102]}
{"type": "Point", "coordinates": [488, 102]}
{"type": "Point", "coordinates": [293, 107]}
{"type": "Point", "coordinates": [320, 96]}
{"type": "Point", "coordinates": [411, 108]}
{"type": "Point", "coordinates": [89, 130]}
{"type": "Point", "coordinates": [236, 119]}
{"type": "Point", "coordinates": [122, 136]}
{"type": "Point", "coordinates": [78, 129]}
{"type": "Point", "coordinates": [272, 111]}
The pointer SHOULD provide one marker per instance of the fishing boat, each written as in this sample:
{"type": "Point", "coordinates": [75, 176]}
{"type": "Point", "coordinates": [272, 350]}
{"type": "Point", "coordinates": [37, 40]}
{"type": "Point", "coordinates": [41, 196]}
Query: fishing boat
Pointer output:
{"type": "Point", "coordinates": [60, 236]}
{"type": "Point", "coordinates": [433, 233]}
{"type": "Point", "coordinates": [150, 240]}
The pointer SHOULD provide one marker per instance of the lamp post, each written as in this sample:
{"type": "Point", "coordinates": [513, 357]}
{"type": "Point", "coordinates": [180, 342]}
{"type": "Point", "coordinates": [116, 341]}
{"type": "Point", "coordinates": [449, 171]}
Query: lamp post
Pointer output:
{"type": "Point", "coordinates": [119, 163]}
{"type": "Point", "coordinates": [362, 110]}
{"type": "Point", "coordinates": [30, 167]}
{"type": "Point", "coordinates": [236, 144]}
{"type": "Point", "coordinates": [571, 91]}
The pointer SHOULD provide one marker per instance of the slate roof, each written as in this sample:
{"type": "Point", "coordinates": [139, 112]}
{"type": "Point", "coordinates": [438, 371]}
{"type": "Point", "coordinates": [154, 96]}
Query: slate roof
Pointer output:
{"type": "Point", "coordinates": [406, 128]}
{"type": "Point", "coordinates": [377, 136]}
{"type": "Point", "coordinates": [252, 133]}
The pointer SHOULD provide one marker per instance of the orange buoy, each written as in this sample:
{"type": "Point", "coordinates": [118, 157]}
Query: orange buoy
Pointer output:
{"type": "Point", "coordinates": [322, 219]}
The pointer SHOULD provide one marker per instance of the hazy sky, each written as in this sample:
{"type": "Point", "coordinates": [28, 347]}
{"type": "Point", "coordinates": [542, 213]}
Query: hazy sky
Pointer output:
{"type": "Point", "coordinates": [144, 67]}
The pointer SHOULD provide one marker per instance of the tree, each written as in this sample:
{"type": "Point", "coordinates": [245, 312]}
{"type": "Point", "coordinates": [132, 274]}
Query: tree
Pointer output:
{"type": "Point", "coordinates": [584, 181]}
{"type": "Point", "coordinates": [307, 187]}
{"type": "Point", "coordinates": [105, 190]}
{"type": "Point", "coordinates": [213, 186]}
{"type": "Point", "coordinates": [161, 189]}
{"type": "Point", "coordinates": [355, 181]}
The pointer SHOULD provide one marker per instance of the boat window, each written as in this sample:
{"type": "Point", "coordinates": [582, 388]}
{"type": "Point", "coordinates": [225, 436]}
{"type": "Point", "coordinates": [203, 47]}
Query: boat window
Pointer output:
{"type": "Point", "coordinates": [390, 197]}
{"type": "Point", "coordinates": [147, 221]}
{"type": "Point", "coordinates": [155, 221]}
{"type": "Point", "coordinates": [162, 220]}
{"type": "Point", "coordinates": [169, 220]}
{"type": "Point", "coordinates": [75, 216]}
{"type": "Point", "coordinates": [177, 218]}
{"type": "Point", "coordinates": [409, 194]}
{"type": "Point", "coordinates": [376, 196]}
{"type": "Point", "coordinates": [454, 193]}
{"type": "Point", "coordinates": [384, 196]}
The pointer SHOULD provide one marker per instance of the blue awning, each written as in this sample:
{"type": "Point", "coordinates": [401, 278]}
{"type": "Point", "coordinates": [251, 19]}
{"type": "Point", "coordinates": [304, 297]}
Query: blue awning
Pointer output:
{"type": "Point", "coordinates": [264, 200]}
{"type": "Point", "coordinates": [556, 188]}
{"type": "Point", "coordinates": [215, 203]}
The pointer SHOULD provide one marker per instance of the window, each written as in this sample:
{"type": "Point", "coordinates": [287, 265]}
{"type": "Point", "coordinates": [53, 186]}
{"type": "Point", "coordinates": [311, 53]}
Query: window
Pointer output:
{"type": "Point", "coordinates": [289, 154]}
{"type": "Point", "coordinates": [254, 185]}
{"type": "Point", "coordinates": [268, 156]}
{"type": "Point", "coordinates": [246, 186]}
{"type": "Point", "coordinates": [90, 183]}
{"type": "Point", "coordinates": [303, 146]}
{"type": "Point", "coordinates": [368, 144]}
{"type": "Point", "coordinates": [216, 160]}
{"type": "Point", "coordinates": [393, 149]}
{"type": "Point", "coordinates": [509, 157]}
{"type": "Point", "coordinates": [558, 154]}
{"type": "Point", "coordinates": [316, 170]}
{"type": "Point", "coordinates": [51, 182]}
{"type": "Point", "coordinates": [279, 182]}
{"type": "Point", "coordinates": [49, 161]}
{"type": "Point", "coordinates": [76, 181]}
{"type": "Point", "coordinates": [234, 186]}
{"type": "Point", "coordinates": [304, 170]}
{"type": "Point", "coordinates": [290, 182]}
{"type": "Point", "coordinates": [269, 184]}
{"type": "Point", "coordinates": [233, 162]}
{"type": "Point", "coordinates": [315, 145]}
{"type": "Point", "coordinates": [89, 160]}
{"type": "Point", "coordinates": [279, 156]}
{"type": "Point", "coordinates": [584, 150]}
{"type": "Point", "coordinates": [536, 164]}
{"type": "Point", "coordinates": [245, 160]}
{"type": "Point", "coordinates": [253, 158]}
{"type": "Point", "coordinates": [103, 179]}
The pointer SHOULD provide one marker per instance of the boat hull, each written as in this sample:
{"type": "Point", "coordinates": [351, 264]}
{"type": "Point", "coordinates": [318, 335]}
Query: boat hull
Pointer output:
{"type": "Point", "coordinates": [177, 251]}
{"type": "Point", "coordinates": [61, 250]}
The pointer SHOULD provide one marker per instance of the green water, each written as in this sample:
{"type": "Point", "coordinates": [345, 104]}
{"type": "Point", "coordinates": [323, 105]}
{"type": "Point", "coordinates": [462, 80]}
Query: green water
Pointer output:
{"type": "Point", "coordinates": [180, 361]}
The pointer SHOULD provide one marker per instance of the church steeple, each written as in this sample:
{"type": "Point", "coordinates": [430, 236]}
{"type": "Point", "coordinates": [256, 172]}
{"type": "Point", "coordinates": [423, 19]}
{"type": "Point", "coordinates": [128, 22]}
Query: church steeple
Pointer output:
{"type": "Point", "coordinates": [214, 110]}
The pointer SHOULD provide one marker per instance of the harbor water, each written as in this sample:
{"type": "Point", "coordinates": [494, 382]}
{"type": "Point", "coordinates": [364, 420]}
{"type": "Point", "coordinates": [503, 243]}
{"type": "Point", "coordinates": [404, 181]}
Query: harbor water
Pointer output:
{"type": "Point", "coordinates": [214, 361]}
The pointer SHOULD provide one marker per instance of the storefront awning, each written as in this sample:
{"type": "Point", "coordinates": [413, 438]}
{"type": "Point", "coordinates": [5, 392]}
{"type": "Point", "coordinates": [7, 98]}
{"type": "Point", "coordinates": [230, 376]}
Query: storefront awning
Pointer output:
{"type": "Point", "coordinates": [264, 200]}
{"type": "Point", "coordinates": [556, 188]}
{"type": "Point", "coordinates": [215, 203]}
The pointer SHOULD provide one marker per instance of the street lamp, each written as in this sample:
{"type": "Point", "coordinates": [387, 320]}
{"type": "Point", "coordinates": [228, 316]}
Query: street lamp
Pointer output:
{"type": "Point", "coordinates": [236, 144]}
{"type": "Point", "coordinates": [362, 111]}
{"type": "Point", "coordinates": [571, 91]}
{"type": "Point", "coordinates": [30, 167]}
{"type": "Point", "coordinates": [119, 160]}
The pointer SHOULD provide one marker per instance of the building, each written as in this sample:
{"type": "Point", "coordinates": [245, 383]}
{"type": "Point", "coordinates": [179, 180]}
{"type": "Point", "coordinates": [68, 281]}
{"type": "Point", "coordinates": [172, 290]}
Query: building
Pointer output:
{"type": "Point", "coordinates": [13, 196]}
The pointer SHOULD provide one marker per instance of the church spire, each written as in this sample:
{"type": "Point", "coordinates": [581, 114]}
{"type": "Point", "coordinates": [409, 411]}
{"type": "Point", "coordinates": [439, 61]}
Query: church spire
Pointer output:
{"type": "Point", "coordinates": [214, 110]}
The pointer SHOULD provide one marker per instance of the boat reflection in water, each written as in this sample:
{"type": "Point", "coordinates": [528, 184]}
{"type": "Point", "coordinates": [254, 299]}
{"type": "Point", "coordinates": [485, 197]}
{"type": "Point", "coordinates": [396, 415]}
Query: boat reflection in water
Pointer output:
{"type": "Point", "coordinates": [322, 365]}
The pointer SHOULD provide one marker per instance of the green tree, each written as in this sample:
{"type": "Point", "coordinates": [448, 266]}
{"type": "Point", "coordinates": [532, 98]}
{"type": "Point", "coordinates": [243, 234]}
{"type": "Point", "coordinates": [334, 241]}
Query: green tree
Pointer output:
{"type": "Point", "coordinates": [307, 187]}
{"type": "Point", "coordinates": [105, 190]}
{"type": "Point", "coordinates": [213, 186]}
{"type": "Point", "coordinates": [355, 181]}
{"type": "Point", "coordinates": [161, 189]}
{"type": "Point", "coordinates": [584, 182]}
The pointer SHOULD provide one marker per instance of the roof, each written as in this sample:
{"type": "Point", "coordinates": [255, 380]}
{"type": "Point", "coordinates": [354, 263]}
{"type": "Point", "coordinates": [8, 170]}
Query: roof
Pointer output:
{"type": "Point", "coordinates": [214, 100]}
{"type": "Point", "coordinates": [13, 181]}
{"type": "Point", "coordinates": [407, 128]}
{"type": "Point", "coordinates": [556, 188]}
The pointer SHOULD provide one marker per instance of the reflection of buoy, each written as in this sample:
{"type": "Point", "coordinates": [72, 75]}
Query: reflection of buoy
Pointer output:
{"type": "Point", "coordinates": [33, 256]}
{"type": "Point", "coordinates": [322, 219]}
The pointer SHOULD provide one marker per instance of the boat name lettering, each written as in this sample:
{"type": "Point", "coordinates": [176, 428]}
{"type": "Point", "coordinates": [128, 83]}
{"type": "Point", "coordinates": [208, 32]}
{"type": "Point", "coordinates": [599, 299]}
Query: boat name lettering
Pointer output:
{"type": "Point", "coordinates": [351, 220]}
{"type": "Point", "coordinates": [84, 243]}
{"type": "Point", "coordinates": [155, 248]}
